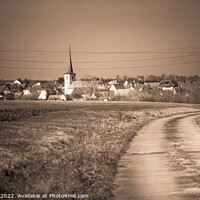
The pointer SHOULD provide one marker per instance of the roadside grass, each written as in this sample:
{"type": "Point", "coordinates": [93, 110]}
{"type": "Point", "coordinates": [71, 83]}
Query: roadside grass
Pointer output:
{"type": "Point", "coordinates": [72, 149]}
{"type": "Point", "coordinates": [198, 121]}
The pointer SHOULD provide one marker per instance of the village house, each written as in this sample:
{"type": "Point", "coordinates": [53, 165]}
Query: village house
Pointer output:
{"type": "Point", "coordinates": [101, 90]}
{"type": "Point", "coordinates": [153, 84]}
{"type": "Point", "coordinates": [102, 86]}
{"type": "Point", "coordinates": [30, 94]}
{"type": "Point", "coordinates": [168, 85]}
{"type": "Point", "coordinates": [17, 89]}
{"type": "Point", "coordinates": [58, 88]}
{"type": "Point", "coordinates": [17, 82]}
{"type": "Point", "coordinates": [34, 93]}
{"type": "Point", "coordinates": [146, 88]}
{"type": "Point", "coordinates": [18, 95]}
{"type": "Point", "coordinates": [80, 93]}
{"type": "Point", "coordinates": [58, 93]}
{"type": "Point", "coordinates": [128, 84]}
{"type": "Point", "coordinates": [27, 91]}
{"type": "Point", "coordinates": [112, 82]}
{"type": "Point", "coordinates": [4, 90]}
{"type": "Point", "coordinates": [37, 86]}
{"type": "Point", "coordinates": [118, 90]}
{"type": "Point", "coordinates": [116, 87]}
{"type": "Point", "coordinates": [42, 93]}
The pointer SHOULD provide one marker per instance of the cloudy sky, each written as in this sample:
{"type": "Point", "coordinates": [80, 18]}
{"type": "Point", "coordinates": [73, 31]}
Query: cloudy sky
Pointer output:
{"type": "Point", "coordinates": [107, 37]}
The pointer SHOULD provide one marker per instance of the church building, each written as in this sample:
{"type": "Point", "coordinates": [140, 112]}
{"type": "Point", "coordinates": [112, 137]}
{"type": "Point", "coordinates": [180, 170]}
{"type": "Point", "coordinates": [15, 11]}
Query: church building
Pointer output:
{"type": "Point", "coordinates": [69, 76]}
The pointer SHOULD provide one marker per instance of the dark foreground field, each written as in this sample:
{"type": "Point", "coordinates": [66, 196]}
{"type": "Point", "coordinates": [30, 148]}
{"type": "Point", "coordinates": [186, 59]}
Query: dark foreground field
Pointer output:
{"type": "Point", "coordinates": [70, 147]}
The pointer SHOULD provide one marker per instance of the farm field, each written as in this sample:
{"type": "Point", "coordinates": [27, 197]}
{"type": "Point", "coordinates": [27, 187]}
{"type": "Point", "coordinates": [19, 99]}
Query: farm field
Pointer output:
{"type": "Point", "coordinates": [70, 147]}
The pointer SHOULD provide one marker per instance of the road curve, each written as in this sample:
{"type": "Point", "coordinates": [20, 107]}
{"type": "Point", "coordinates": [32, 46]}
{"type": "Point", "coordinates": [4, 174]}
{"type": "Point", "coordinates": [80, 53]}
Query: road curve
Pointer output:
{"type": "Point", "coordinates": [163, 162]}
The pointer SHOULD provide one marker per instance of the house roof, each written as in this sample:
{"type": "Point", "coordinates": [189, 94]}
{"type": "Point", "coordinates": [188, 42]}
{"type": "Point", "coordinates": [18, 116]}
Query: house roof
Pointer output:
{"type": "Point", "coordinates": [168, 83]}
{"type": "Point", "coordinates": [79, 91]}
{"type": "Point", "coordinates": [59, 90]}
{"type": "Point", "coordinates": [17, 82]}
{"type": "Point", "coordinates": [112, 82]}
{"type": "Point", "coordinates": [18, 94]}
{"type": "Point", "coordinates": [37, 86]}
{"type": "Point", "coordinates": [32, 90]}
{"type": "Point", "coordinates": [59, 86]}
{"type": "Point", "coordinates": [101, 82]}
{"type": "Point", "coordinates": [119, 86]}
{"type": "Point", "coordinates": [79, 84]}
{"type": "Point", "coordinates": [2, 88]}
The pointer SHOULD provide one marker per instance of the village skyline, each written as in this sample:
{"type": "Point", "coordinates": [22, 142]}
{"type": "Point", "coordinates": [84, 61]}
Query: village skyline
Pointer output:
{"type": "Point", "coordinates": [151, 88]}
{"type": "Point", "coordinates": [108, 38]}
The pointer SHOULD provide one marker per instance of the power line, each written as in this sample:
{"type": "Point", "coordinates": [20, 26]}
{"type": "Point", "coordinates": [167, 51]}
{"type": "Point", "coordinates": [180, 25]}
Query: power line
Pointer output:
{"type": "Point", "coordinates": [32, 61]}
{"type": "Point", "coordinates": [29, 51]}
{"type": "Point", "coordinates": [137, 52]}
{"type": "Point", "coordinates": [52, 62]}
{"type": "Point", "coordinates": [172, 64]}
{"type": "Point", "coordinates": [135, 60]}
{"type": "Point", "coordinates": [142, 66]}
{"type": "Point", "coordinates": [147, 66]}
{"type": "Point", "coordinates": [104, 52]}
{"type": "Point", "coordinates": [189, 47]}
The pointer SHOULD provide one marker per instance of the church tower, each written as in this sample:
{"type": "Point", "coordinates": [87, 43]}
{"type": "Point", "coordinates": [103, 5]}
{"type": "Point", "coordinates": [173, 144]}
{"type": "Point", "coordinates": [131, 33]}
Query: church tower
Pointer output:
{"type": "Point", "coordinates": [69, 76]}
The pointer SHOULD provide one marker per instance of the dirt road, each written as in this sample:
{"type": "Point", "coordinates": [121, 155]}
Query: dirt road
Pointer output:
{"type": "Point", "coordinates": [163, 162]}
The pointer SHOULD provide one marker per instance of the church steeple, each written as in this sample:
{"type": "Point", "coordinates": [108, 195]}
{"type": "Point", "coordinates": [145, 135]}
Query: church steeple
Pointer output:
{"type": "Point", "coordinates": [69, 76]}
{"type": "Point", "coordinates": [70, 68]}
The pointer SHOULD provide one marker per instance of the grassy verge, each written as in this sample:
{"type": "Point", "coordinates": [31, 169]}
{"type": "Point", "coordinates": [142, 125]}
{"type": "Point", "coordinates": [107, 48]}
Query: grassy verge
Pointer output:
{"type": "Point", "coordinates": [198, 121]}
{"type": "Point", "coordinates": [72, 149]}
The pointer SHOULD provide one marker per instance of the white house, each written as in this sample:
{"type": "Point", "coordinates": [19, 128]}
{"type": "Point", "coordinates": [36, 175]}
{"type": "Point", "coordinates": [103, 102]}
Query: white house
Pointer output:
{"type": "Point", "coordinates": [27, 91]}
{"type": "Point", "coordinates": [42, 94]}
{"type": "Point", "coordinates": [17, 82]}
{"type": "Point", "coordinates": [164, 88]}
{"type": "Point", "coordinates": [168, 85]}
{"type": "Point", "coordinates": [126, 83]}
{"type": "Point", "coordinates": [115, 88]}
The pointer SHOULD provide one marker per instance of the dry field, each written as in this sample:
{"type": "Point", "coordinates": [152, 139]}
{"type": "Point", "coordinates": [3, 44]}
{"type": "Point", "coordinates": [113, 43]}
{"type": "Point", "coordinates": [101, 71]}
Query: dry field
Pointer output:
{"type": "Point", "coordinates": [70, 147]}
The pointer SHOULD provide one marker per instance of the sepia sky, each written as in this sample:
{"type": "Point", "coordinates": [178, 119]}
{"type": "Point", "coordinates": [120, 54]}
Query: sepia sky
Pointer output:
{"type": "Point", "coordinates": [107, 37]}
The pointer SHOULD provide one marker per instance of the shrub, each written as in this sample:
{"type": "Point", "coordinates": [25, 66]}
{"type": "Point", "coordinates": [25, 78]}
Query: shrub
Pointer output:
{"type": "Point", "coordinates": [29, 97]}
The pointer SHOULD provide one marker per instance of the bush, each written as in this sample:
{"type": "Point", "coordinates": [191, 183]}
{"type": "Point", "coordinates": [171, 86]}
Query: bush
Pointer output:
{"type": "Point", "coordinates": [182, 96]}
{"type": "Point", "coordinates": [29, 97]}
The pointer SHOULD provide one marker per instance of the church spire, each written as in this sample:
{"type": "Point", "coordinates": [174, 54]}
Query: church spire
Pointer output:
{"type": "Point", "coordinates": [70, 68]}
{"type": "Point", "coordinates": [69, 76]}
